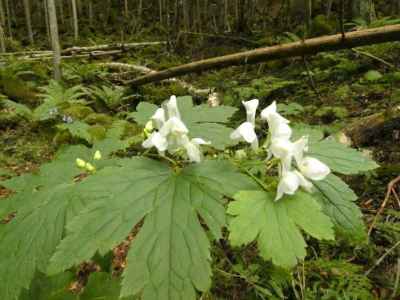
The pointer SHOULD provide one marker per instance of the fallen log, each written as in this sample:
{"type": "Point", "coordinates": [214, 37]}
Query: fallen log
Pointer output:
{"type": "Point", "coordinates": [371, 130]}
{"type": "Point", "coordinates": [92, 54]}
{"type": "Point", "coordinates": [300, 48]}
{"type": "Point", "coordinates": [213, 98]}
{"type": "Point", "coordinates": [79, 50]}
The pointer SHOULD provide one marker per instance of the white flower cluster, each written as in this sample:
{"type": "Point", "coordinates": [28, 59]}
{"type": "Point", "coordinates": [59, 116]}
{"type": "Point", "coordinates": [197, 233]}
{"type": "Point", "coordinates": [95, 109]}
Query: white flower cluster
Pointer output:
{"type": "Point", "coordinates": [281, 147]}
{"type": "Point", "coordinates": [171, 133]}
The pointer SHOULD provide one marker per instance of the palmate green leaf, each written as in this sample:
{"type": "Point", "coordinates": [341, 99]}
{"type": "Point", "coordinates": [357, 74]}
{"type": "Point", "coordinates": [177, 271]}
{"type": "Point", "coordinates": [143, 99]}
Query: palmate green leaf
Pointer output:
{"type": "Point", "coordinates": [338, 202]}
{"type": "Point", "coordinates": [61, 170]}
{"type": "Point", "coordinates": [202, 121]}
{"type": "Point", "coordinates": [340, 158]}
{"type": "Point", "coordinates": [44, 202]}
{"type": "Point", "coordinates": [77, 129]}
{"type": "Point", "coordinates": [30, 239]}
{"type": "Point", "coordinates": [18, 108]}
{"type": "Point", "coordinates": [50, 288]}
{"type": "Point", "coordinates": [170, 257]}
{"type": "Point", "coordinates": [102, 286]}
{"type": "Point", "coordinates": [276, 225]}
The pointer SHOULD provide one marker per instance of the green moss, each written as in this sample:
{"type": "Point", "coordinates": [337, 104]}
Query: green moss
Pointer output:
{"type": "Point", "coordinates": [78, 111]}
{"type": "Point", "coordinates": [97, 132]}
{"type": "Point", "coordinates": [19, 90]}
{"type": "Point", "coordinates": [99, 119]}
{"type": "Point", "coordinates": [321, 25]}
{"type": "Point", "coordinates": [62, 137]}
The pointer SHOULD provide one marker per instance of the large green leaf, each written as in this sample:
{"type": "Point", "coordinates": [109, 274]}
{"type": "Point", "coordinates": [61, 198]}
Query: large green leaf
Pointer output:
{"type": "Point", "coordinates": [340, 158]}
{"type": "Point", "coordinates": [337, 200]}
{"type": "Point", "coordinates": [50, 288]}
{"type": "Point", "coordinates": [18, 108]}
{"type": "Point", "coordinates": [30, 239]}
{"type": "Point", "coordinates": [202, 121]}
{"type": "Point", "coordinates": [276, 225]}
{"type": "Point", "coordinates": [77, 129]}
{"type": "Point", "coordinates": [102, 286]}
{"type": "Point", "coordinates": [170, 256]}
{"type": "Point", "coordinates": [44, 202]}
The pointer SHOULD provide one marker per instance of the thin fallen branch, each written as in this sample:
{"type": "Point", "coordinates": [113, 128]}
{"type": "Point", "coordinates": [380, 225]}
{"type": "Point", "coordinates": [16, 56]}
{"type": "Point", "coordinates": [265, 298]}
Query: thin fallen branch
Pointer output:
{"type": "Point", "coordinates": [213, 98]}
{"type": "Point", "coordinates": [76, 50]}
{"type": "Point", "coordinates": [390, 190]}
{"type": "Point", "coordinates": [93, 54]}
{"type": "Point", "coordinates": [300, 48]}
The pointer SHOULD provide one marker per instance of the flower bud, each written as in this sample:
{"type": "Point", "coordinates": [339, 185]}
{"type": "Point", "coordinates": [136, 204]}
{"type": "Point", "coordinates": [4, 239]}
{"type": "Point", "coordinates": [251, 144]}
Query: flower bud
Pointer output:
{"type": "Point", "coordinates": [89, 167]}
{"type": "Point", "coordinates": [80, 163]}
{"type": "Point", "coordinates": [97, 155]}
{"type": "Point", "coordinates": [240, 154]}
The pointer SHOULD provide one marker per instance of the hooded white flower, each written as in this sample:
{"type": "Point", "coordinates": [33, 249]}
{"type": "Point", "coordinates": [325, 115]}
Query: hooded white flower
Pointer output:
{"type": "Point", "coordinates": [278, 127]}
{"type": "Point", "coordinates": [310, 167]}
{"type": "Point", "coordinates": [251, 108]}
{"type": "Point", "coordinates": [313, 168]}
{"type": "Point", "coordinates": [172, 108]}
{"type": "Point", "coordinates": [288, 184]}
{"type": "Point", "coordinates": [270, 111]}
{"type": "Point", "coordinates": [156, 140]}
{"type": "Point", "coordinates": [246, 132]}
{"type": "Point", "coordinates": [158, 118]}
{"type": "Point", "coordinates": [192, 148]}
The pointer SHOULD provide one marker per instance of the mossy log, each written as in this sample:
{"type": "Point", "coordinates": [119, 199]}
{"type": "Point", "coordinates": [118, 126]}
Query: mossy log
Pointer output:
{"type": "Point", "coordinates": [300, 48]}
{"type": "Point", "coordinates": [372, 129]}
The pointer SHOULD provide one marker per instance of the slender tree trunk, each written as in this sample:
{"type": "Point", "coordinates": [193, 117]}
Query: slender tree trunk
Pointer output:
{"type": "Point", "coordinates": [126, 9]}
{"type": "Point", "coordinates": [75, 20]}
{"type": "Point", "coordinates": [27, 9]}
{"type": "Point", "coordinates": [9, 18]}
{"type": "Point", "coordinates": [52, 12]}
{"type": "Point", "coordinates": [46, 18]}
{"type": "Point", "coordinates": [2, 40]}
{"type": "Point", "coordinates": [90, 11]}
{"type": "Point", "coordinates": [61, 9]}
{"type": "Point", "coordinates": [308, 15]}
{"type": "Point", "coordinates": [2, 15]}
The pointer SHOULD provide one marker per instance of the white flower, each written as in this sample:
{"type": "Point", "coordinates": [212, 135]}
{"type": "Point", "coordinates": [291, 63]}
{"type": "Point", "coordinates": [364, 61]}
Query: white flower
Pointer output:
{"type": "Point", "coordinates": [283, 149]}
{"type": "Point", "coordinates": [192, 148]}
{"type": "Point", "coordinates": [288, 184]}
{"type": "Point", "coordinates": [158, 118]}
{"type": "Point", "coordinates": [172, 108]}
{"type": "Point", "coordinates": [175, 126]}
{"type": "Point", "coordinates": [304, 183]}
{"type": "Point", "coordinates": [278, 127]}
{"type": "Point", "coordinates": [156, 140]}
{"type": "Point", "coordinates": [247, 133]}
{"type": "Point", "coordinates": [313, 168]}
{"type": "Point", "coordinates": [251, 108]}
{"type": "Point", "coordinates": [270, 111]}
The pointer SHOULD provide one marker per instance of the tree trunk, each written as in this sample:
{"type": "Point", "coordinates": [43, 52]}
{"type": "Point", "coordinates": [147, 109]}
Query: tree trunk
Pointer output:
{"type": "Point", "coordinates": [2, 40]}
{"type": "Point", "coordinates": [90, 11]}
{"type": "Point", "coordinates": [27, 9]}
{"type": "Point", "coordinates": [75, 20]}
{"type": "Point", "coordinates": [52, 12]}
{"type": "Point", "coordinates": [301, 48]}
{"type": "Point", "coordinates": [8, 11]}
{"type": "Point", "coordinates": [46, 18]}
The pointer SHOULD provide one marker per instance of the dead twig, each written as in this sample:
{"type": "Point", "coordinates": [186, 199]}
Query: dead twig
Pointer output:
{"type": "Point", "coordinates": [390, 190]}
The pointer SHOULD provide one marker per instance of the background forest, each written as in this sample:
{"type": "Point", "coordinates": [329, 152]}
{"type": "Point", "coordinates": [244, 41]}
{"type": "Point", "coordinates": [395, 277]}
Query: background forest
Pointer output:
{"type": "Point", "coordinates": [68, 78]}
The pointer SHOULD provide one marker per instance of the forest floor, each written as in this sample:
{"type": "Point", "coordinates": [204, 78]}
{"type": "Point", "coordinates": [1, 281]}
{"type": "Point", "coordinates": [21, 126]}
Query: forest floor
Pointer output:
{"type": "Point", "coordinates": [329, 91]}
